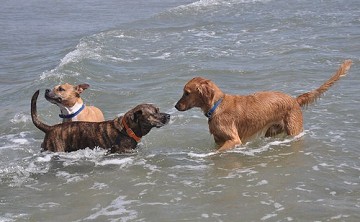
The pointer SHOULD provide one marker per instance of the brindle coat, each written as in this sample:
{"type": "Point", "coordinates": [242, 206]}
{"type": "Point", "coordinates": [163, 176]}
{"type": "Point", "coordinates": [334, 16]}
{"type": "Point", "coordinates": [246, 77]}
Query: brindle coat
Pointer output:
{"type": "Point", "coordinates": [239, 118]}
{"type": "Point", "coordinates": [112, 135]}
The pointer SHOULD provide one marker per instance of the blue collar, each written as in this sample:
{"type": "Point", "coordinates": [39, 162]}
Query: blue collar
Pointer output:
{"type": "Point", "coordinates": [212, 110]}
{"type": "Point", "coordinates": [73, 114]}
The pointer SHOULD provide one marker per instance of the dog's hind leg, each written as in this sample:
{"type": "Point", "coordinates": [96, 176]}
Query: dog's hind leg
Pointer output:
{"type": "Point", "coordinates": [275, 129]}
{"type": "Point", "coordinates": [293, 122]}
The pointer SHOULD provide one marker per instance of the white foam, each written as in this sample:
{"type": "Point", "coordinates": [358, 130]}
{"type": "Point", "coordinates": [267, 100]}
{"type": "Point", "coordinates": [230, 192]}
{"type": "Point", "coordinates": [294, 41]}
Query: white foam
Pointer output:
{"type": "Point", "coordinates": [208, 34]}
{"type": "Point", "coordinates": [245, 150]}
{"type": "Point", "coordinates": [263, 182]}
{"type": "Point", "coordinates": [49, 205]}
{"type": "Point", "coordinates": [84, 50]}
{"type": "Point", "coordinates": [190, 167]}
{"type": "Point", "coordinates": [121, 162]}
{"type": "Point", "coordinates": [315, 168]}
{"type": "Point", "coordinates": [116, 208]}
{"type": "Point", "coordinates": [205, 215]}
{"type": "Point", "coordinates": [203, 4]}
{"type": "Point", "coordinates": [37, 167]}
{"type": "Point", "coordinates": [40, 163]}
{"type": "Point", "coordinates": [338, 217]}
{"type": "Point", "coordinates": [144, 184]}
{"type": "Point", "coordinates": [20, 118]}
{"type": "Point", "coordinates": [20, 172]}
{"type": "Point", "coordinates": [201, 155]}
{"type": "Point", "coordinates": [15, 141]}
{"type": "Point", "coordinates": [268, 216]}
{"type": "Point", "coordinates": [118, 59]}
{"type": "Point", "coordinates": [71, 178]}
{"type": "Point", "coordinates": [21, 141]}
{"type": "Point", "coordinates": [99, 186]}
{"type": "Point", "coordinates": [264, 148]}
{"type": "Point", "coordinates": [11, 217]}
{"type": "Point", "coordinates": [164, 56]}
{"type": "Point", "coordinates": [73, 56]}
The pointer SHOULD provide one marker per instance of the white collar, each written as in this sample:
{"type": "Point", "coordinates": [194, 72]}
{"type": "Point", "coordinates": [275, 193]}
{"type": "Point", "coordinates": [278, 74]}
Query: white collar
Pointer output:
{"type": "Point", "coordinates": [71, 112]}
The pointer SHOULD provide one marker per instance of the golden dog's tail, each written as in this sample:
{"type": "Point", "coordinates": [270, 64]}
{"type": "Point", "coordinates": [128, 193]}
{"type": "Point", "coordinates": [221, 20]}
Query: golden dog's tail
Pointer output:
{"type": "Point", "coordinates": [43, 127]}
{"type": "Point", "coordinates": [310, 97]}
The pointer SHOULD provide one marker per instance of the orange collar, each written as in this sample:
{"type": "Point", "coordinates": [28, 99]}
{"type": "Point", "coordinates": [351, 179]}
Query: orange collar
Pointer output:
{"type": "Point", "coordinates": [130, 132]}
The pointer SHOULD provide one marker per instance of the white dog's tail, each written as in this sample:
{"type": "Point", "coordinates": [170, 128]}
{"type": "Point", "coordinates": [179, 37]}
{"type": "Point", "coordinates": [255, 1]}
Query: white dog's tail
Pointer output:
{"type": "Point", "coordinates": [310, 97]}
{"type": "Point", "coordinates": [43, 127]}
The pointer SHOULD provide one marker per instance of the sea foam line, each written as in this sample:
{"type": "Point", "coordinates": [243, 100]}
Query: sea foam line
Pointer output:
{"type": "Point", "coordinates": [248, 151]}
{"type": "Point", "coordinates": [116, 208]}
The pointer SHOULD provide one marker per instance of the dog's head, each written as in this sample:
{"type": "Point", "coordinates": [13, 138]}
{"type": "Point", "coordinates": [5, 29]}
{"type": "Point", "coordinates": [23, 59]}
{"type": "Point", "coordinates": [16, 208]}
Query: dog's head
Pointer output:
{"type": "Point", "coordinates": [65, 94]}
{"type": "Point", "coordinates": [198, 92]}
{"type": "Point", "coordinates": [144, 117]}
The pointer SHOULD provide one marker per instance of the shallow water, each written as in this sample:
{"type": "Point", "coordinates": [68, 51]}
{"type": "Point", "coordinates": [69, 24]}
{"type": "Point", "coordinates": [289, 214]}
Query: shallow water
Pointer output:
{"type": "Point", "coordinates": [145, 51]}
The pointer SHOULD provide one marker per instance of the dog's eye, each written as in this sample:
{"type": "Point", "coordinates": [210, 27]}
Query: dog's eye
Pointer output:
{"type": "Point", "coordinates": [61, 89]}
{"type": "Point", "coordinates": [186, 93]}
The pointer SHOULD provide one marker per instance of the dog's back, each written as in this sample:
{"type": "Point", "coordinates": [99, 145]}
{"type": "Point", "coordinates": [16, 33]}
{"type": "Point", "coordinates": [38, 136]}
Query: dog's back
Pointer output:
{"type": "Point", "coordinates": [72, 136]}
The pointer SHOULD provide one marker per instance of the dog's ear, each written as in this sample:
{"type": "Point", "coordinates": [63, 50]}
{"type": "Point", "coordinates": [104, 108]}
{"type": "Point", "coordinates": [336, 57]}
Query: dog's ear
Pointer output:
{"type": "Point", "coordinates": [137, 114]}
{"type": "Point", "coordinates": [80, 88]}
{"type": "Point", "coordinates": [206, 91]}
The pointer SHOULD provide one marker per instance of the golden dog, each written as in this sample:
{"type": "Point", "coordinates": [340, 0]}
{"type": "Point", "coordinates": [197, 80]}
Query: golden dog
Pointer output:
{"type": "Point", "coordinates": [235, 119]}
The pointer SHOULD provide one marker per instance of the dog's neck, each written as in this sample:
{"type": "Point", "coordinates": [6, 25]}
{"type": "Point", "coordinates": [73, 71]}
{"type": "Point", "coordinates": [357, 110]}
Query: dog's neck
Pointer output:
{"type": "Point", "coordinates": [130, 132]}
{"type": "Point", "coordinates": [210, 108]}
{"type": "Point", "coordinates": [213, 108]}
{"type": "Point", "coordinates": [128, 136]}
{"type": "Point", "coordinates": [67, 111]}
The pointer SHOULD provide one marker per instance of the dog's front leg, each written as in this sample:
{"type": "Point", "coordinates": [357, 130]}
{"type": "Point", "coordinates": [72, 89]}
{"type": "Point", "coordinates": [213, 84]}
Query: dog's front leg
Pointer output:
{"type": "Point", "coordinates": [229, 144]}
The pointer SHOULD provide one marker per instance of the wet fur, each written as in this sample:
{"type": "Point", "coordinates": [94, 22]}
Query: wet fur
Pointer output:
{"type": "Point", "coordinates": [72, 136]}
{"type": "Point", "coordinates": [240, 118]}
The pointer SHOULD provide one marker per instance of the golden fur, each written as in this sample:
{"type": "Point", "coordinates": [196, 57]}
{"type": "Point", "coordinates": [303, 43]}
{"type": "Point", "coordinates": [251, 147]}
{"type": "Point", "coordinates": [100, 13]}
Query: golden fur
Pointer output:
{"type": "Point", "coordinates": [239, 118]}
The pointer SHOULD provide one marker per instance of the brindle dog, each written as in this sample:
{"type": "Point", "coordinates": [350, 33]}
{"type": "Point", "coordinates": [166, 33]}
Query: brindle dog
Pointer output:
{"type": "Point", "coordinates": [119, 135]}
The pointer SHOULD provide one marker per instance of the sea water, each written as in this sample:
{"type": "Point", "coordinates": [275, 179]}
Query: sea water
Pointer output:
{"type": "Point", "coordinates": [133, 52]}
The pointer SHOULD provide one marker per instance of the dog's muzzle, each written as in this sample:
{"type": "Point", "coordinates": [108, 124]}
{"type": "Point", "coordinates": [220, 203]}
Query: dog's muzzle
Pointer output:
{"type": "Point", "coordinates": [52, 98]}
{"type": "Point", "coordinates": [164, 119]}
{"type": "Point", "coordinates": [180, 107]}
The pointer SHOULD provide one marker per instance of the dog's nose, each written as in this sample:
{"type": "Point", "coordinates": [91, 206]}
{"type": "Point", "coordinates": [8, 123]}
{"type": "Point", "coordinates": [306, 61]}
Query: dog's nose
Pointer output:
{"type": "Point", "coordinates": [47, 90]}
{"type": "Point", "coordinates": [167, 116]}
{"type": "Point", "coordinates": [177, 106]}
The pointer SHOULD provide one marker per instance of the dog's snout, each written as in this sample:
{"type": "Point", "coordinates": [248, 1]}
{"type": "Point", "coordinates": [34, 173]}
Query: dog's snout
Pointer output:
{"type": "Point", "coordinates": [180, 107]}
{"type": "Point", "coordinates": [167, 116]}
{"type": "Point", "coordinates": [177, 106]}
{"type": "Point", "coordinates": [47, 90]}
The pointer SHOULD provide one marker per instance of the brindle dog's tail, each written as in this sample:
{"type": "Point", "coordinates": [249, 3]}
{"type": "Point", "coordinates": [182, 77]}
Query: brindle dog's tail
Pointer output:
{"type": "Point", "coordinates": [43, 127]}
{"type": "Point", "coordinates": [310, 97]}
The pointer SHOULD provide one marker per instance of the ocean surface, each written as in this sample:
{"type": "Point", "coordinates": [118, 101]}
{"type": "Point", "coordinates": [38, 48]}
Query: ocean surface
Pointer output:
{"type": "Point", "coordinates": [144, 51]}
